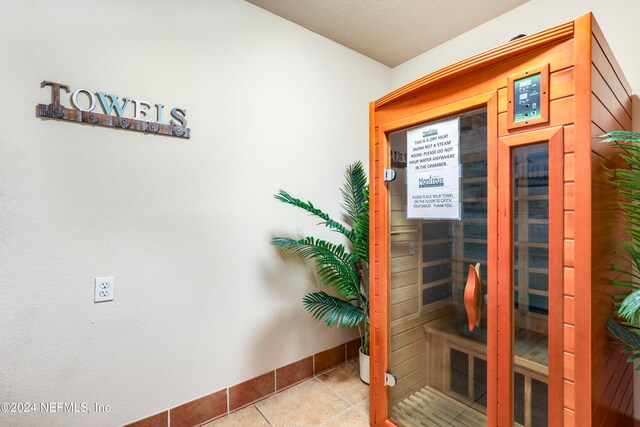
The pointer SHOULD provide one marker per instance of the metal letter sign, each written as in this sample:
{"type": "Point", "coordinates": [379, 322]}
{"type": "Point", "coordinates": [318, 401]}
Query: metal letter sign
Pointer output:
{"type": "Point", "coordinates": [433, 171]}
{"type": "Point", "coordinates": [141, 122]}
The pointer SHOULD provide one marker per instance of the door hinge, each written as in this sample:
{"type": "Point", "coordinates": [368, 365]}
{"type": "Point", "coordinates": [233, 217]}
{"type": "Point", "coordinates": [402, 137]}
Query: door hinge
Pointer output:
{"type": "Point", "coordinates": [390, 379]}
{"type": "Point", "coordinates": [389, 175]}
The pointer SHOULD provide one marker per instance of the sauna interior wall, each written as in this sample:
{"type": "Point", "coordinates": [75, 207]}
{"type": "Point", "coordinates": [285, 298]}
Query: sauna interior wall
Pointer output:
{"type": "Point", "coordinates": [612, 377]}
{"type": "Point", "coordinates": [408, 358]}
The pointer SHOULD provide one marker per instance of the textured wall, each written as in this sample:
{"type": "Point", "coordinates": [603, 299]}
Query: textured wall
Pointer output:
{"type": "Point", "coordinates": [202, 301]}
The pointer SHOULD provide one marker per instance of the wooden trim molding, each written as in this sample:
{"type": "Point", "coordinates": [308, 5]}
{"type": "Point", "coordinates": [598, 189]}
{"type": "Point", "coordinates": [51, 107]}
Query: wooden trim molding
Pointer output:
{"type": "Point", "coordinates": [378, 272]}
{"type": "Point", "coordinates": [380, 242]}
{"type": "Point", "coordinates": [482, 60]}
{"type": "Point", "coordinates": [555, 138]}
{"type": "Point", "coordinates": [504, 290]}
{"type": "Point", "coordinates": [458, 107]}
{"type": "Point", "coordinates": [380, 229]}
{"type": "Point", "coordinates": [492, 259]}
{"type": "Point", "coordinates": [582, 218]}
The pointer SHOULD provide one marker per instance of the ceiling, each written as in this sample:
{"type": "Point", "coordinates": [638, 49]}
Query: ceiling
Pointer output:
{"type": "Point", "coordinates": [389, 31]}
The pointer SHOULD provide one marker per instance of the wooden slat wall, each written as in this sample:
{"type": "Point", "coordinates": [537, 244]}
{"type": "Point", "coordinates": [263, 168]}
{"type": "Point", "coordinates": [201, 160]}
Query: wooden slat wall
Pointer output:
{"type": "Point", "coordinates": [407, 358]}
{"type": "Point", "coordinates": [612, 377]}
{"type": "Point", "coordinates": [568, 279]}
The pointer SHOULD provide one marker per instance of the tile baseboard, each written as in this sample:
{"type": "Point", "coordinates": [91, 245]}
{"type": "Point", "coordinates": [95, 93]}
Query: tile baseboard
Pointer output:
{"type": "Point", "coordinates": [294, 373]}
{"type": "Point", "coordinates": [200, 410]}
{"type": "Point", "coordinates": [236, 397]}
{"type": "Point", "coordinates": [327, 359]}
{"type": "Point", "coordinates": [247, 392]}
{"type": "Point", "coordinates": [160, 419]}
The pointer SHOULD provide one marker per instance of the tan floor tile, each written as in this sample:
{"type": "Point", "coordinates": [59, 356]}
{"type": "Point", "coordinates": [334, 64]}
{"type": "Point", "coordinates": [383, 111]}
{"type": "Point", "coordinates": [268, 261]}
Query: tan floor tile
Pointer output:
{"type": "Point", "coordinates": [351, 418]}
{"type": "Point", "coordinates": [363, 407]}
{"type": "Point", "coordinates": [305, 405]}
{"type": "Point", "coordinates": [247, 417]}
{"type": "Point", "coordinates": [355, 364]}
{"type": "Point", "coordinates": [345, 380]}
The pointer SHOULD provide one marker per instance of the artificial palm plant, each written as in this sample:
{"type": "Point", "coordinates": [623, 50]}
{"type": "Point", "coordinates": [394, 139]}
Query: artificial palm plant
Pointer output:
{"type": "Point", "coordinates": [627, 305]}
{"type": "Point", "coordinates": [341, 268]}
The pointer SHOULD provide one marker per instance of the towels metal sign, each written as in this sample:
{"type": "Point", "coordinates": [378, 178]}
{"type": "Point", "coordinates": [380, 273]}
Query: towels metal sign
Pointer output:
{"type": "Point", "coordinates": [142, 120]}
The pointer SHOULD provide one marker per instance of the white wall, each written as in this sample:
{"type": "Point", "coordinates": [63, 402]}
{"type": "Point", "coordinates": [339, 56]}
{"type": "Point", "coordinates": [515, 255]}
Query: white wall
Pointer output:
{"type": "Point", "coordinates": [202, 300]}
{"type": "Point", "coordinates": [618, 20]}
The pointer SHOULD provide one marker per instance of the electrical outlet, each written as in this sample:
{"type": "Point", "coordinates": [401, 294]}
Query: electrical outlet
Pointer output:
{"type": "Point", "coordinates": [105, 287]}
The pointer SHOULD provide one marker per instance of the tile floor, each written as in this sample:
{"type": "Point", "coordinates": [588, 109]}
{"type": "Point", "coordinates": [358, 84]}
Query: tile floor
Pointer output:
{"type": "Point", "coordinates": [335, 398]}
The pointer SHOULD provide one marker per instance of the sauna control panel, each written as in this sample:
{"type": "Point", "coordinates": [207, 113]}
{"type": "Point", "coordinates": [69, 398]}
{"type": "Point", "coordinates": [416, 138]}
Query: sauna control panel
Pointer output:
{"type": "Point", "coordinates": [526, 98]}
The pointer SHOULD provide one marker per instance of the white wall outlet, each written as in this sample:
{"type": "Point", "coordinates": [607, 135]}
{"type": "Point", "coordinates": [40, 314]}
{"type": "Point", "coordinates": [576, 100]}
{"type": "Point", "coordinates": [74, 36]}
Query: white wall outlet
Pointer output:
{"type": "Point", "coordinates": [105, 287]}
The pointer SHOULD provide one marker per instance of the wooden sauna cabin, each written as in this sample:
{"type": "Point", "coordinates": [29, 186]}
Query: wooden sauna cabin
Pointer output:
{"type": "Point", "coordinates": [493, 230]}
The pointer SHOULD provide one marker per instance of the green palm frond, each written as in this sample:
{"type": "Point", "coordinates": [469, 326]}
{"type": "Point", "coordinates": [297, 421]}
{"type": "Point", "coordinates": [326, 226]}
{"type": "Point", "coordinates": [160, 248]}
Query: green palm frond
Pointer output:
{"type": "Point", "coordinates": [336, 267]}
{"type": "Point", "coordinates": [285, 197]}
{"type": "Point", "coordinates": [625, 284]}
{"type": "Point", "coordinates": [628, 178]}
{"type": "Point", "coordinates": [361, 227]}
{"type": "Point", "coordinates": [630, 307]}
{"type": "Point", "coordinates": [627, 306]}
{"type": "Point", "coordinates": [626, 337]}
{"type": "Point", "coordinates": [355, 195]}
{"type": "Point", "coordinates": [633, 253]}
{"type": "Point", "coordinates": [346, 272]}
{"type": "Point", "coordinates": [354, 189]}
{"type": "Point", "coordinates": [620, 135]}
{"type": "Point", "coordinates": [334, 311]}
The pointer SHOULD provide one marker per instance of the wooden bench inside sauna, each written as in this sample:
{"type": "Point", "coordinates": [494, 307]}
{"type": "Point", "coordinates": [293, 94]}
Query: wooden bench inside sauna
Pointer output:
{"type": "Point", "coordinates": [436, 356]}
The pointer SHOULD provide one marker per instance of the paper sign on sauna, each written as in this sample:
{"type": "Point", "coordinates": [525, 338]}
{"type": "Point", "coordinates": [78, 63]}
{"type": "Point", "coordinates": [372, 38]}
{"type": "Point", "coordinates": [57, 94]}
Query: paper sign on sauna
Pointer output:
{"type": "Point", "coordinates": [433, 171]}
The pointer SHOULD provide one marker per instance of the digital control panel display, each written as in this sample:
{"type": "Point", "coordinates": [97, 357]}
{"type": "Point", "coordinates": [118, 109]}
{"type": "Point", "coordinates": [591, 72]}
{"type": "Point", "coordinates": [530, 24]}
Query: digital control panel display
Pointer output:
{"type": "Point", "coordinates": [526, 98]}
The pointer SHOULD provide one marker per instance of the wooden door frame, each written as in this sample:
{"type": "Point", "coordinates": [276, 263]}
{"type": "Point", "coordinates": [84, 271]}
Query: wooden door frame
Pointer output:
{"type": "Point", "coordinates": [500, 354]}
{"type": "Point", "coordinates": [380, 246]}
{"type": "Point", "coordinates": [555, 138]}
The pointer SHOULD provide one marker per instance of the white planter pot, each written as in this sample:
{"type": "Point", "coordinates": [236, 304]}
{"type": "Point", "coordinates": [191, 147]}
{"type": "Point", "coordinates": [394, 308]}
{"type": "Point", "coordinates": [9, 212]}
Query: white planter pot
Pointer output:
{"type": "Point", "coordinates": [364, 366]}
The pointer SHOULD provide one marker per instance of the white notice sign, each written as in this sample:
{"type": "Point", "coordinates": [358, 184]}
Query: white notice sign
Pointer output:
{"type": "Point", "coordinates": [433, 171]}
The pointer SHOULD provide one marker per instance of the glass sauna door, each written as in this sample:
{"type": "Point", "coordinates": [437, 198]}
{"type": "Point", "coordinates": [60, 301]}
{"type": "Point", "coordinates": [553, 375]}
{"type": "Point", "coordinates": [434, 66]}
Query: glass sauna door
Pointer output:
{"type": "Point", "coordinates": [438, 345]}
{"type": "Point", "coordinates": [530, 280]}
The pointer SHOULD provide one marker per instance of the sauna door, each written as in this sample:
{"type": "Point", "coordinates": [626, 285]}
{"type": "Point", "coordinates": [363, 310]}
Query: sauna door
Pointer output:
{"type": "Point", "coordinates": [468, 335]}
{"type": "Point", "coordinates": [439, 245]}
